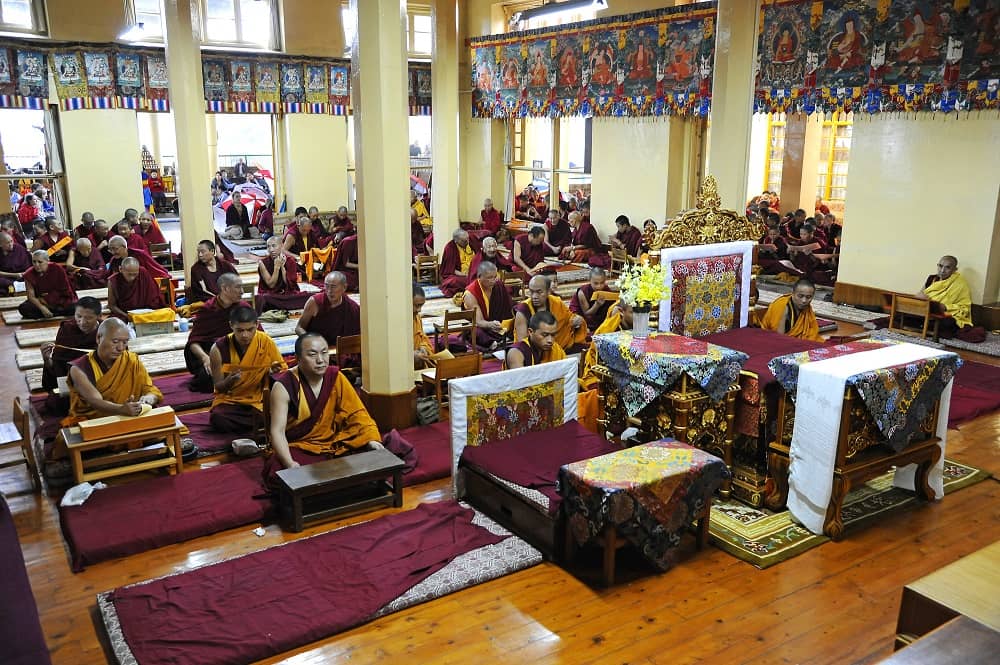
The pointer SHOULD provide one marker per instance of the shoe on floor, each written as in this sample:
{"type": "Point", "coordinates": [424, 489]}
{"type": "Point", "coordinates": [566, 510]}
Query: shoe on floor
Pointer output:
{"type": "Point", "coordinates": [245, 448]}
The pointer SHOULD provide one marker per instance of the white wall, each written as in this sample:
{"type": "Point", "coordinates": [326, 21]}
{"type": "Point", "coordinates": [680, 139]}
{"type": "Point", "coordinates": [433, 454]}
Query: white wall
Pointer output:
{"type": "Point", "coordinates": [102, 162]}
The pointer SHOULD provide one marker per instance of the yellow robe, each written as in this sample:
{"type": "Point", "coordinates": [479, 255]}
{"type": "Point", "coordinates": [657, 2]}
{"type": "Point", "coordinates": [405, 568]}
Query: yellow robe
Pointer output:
{"type": "Point", "coordinates": [566, 337]}
{"type": "Point", "coordinates": [612, 323]}
{"type": "Point", "coordinates": [260, 359]}
{"type": "Point", "coordinates": [343, 423]}
{"type": "Point", "coordinates": [954, 295]}
{"type": "Point", "coordinates": [126, 378]}
{"type": "Point", "coordinates": [552, 355]}
{"type": "Point", "coordinates": [803, 324]}
{"type": "Point", "coordinates": [423, 216]}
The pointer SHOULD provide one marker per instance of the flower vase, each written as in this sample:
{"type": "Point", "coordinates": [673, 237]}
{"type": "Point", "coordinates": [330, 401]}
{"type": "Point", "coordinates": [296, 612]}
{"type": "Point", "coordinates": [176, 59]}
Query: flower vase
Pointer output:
{"type": "Point", "coordinates": [640, 320]}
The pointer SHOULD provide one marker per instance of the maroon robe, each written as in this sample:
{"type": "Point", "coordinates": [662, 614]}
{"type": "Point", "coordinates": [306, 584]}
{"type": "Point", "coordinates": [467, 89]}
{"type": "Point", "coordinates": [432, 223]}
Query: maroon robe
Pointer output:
{"type": "Point", "coordinates": [532, 255]}
{"type": "Point", "coordinates": [347, 252]}
{"type": "Point", "coordinates": [593, 249]}
{"type": "Point", "coordinates": [451, 263]}
{"type": "Point", "coordinates": [135, 241]}
{"type": "Point", "coordinates": [492, 220]}
{"type": "Point", "coordinates": [299, 245]}
{"type": "Point", "coordinates": [417, 238]}
{"type": "Point", "coordinates": [265, 222]}
{"type": "Point", "coordinates": [560, 234]}
{"type": "Point", "coordinates": [769, 261]}
{"type": "Point", "coordinates": [285, 294]}
{"type": "Point", "coordinates": [200, 273]}
{"type": "Point", "coordinates": [69, 335]}
{"type": "Point", "coordinates": [48, 243]}
{"type": "Point", "coordinates": [494, 306]}
{"type": "Point", "coordinates": [17, 260]}
{"type": "Point", "coordinates": [145, 261]}
{"type": "Point", "coordinates": [96, 241]}
{"type": "Point", "coordinates": [141, 293]}
{"type": "Point", "coordinates": [595, 319]}
{"type": "Point", "coordinates": [93, 273]}
{"type": "Point", "coordinates": [54, 288]}
{"type": "Point", "coordinates": [334, 322]}
{"type": "Point", "coordinates": [498, 260]}
{"type": "Point", "coordinates": [227, 253]}
{"type": "Point", "coordinates": [210, 323]}
{"type": "Point", "coordinates": [631, 238]}
{"type": "Point", "coordinates": [151, 237]}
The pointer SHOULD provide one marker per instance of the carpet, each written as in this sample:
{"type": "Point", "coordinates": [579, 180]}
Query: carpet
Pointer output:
{"type": "Point", "coordinates": [892, 335]}
{"type": "Point", "coordinates": [764, 538]}
{"type": "Point", "coordinates": [976, 392]}
{"type": "Point", "coordinates": [20, 630]}
{"type": "Point", "coordinates": [990, 347]}
{"type": "Point", "coordinates": [262, 604]}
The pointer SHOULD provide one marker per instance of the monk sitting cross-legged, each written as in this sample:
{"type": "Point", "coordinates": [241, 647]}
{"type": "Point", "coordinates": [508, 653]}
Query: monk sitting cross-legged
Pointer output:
{"type": "Point", "coordinates": [241, 361]}
{"type": "Point", "coordinates": [75, 338]}
{"type": "Point", "coordinates": [539, 346]}
{"type": "Point", "coordinates": [49, 290]}
{"type": "Point", "coordinates": [132, 288]}
{"type": "Point", "coordinates": [572, 330]}
{"type": "Point", "coordinates": [422, 347]}
{"type": "Point", "coordinates": [211, 323]}
{"type": "Point", "coordinates": [492, 304]}
{"type": "Point", "coordinates": [792, 314]}
{"type": "Point", "coordinates": [88, 269]}
{"type": "Point", "coordinates": [455, 262]}
{"type": "Point", "coordinates": [205, 273]}
{"type": "Point", "coordinates": [315, 413]}
{"type": "Point", "coordinates": [278, 287]}
{"type": "Point", "coordinates": [331, 313]}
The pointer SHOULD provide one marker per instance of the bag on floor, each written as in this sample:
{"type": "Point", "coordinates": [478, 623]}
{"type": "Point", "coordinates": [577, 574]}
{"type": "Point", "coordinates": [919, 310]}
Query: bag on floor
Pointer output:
{"type": "Point", "coordinates": [428, 410]}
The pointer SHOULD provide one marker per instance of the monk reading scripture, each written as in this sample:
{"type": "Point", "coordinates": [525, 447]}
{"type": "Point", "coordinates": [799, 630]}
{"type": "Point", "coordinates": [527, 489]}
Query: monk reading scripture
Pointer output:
{"type": "Point", "coordinates": [949, 289]}
{"type": "Point", "coordinates": [491, 217]}
{"type": "Point", "coordinates": [14, 261]}
{"type": "Point", "coordinates": [210, 323]}
{"type": "Point", "coordinates": [530, 250]}
{"type": "Point", "coordinates": [241, 363]}
{"type": "Point", "coordinates": [558, 230]}
{"type": "Point", "coordinates": [586, 303]}
{"type": "Point", "coordinates": [49, 290]}
{"type": "Point", "coordinates": [132, 288]}
{"type": "Point", "coordinates": [331, 313]}
{"type": "Point", "coordinates": [455, 262]}
{"type": "Point", "coordinates": [628, 237]}
{"type": "Point", "coordinates": [792, 314]}
{"type": "Point", "coordinates": [74, 339]}
{"type": "Point", "coordinates": [206, 272]}
{"type": "Point", "coordinates": [539, 346]}
{"type": "Point", "coordinates": [88, 269]}
{"type": "Point", "coordinates": [572, 331]}
{"type": "Point", "coordinates": [491, 301]}
{"type": "Point", "coordinates": [585, 245]}
{"type": "Point", "coordinates": [278, 287]}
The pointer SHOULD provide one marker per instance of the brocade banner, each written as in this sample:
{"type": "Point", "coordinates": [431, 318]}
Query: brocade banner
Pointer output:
{"type": "Point", "coordinates": [877, 55]}
{"type": "Point", "coordinates": [24, 77]}
{"type": "Point", "coordinates": [647, 64]}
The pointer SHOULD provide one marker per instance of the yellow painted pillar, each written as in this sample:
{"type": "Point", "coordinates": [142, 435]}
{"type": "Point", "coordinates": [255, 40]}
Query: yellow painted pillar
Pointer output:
{"type": "Point", "coordinates": [378, 95]}
{"type": "Point", "coordinates": [183, 42]}
{"type": "Point", "coordinates": [444, 127]}
{"type": "Point", "coordinates": [212, 133]}
{"type": "Point", "coordinates": [279, 148]}
{"type": "Point", "coordinates": [5, 198]}
{"type": "Point", "coordinates": [732, 99]}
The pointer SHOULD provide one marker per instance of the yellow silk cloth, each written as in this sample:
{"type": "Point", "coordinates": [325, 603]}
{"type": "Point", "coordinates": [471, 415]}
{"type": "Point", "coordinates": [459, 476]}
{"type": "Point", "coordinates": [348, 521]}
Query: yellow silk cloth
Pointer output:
{"type": "Point", "coordinates": [162, 315]}
{"type": "Point", "coordinates": [343, 422]}
{"type": "Point", "coordinates": [566, 337]}
{"type": "Point", "coordinates": [261, 358]}
{"type": "Point", "coordinates": [59, 244]}
{"type": "Point", "coordinates": [465, 256]}
{"type": "Point", "coordinates": [954, 295]}
{"type": "Point", "coordinates": [324, 255]}
{"type": "Point", "coordinates": [420, 339]}
{"type": "Point", "coordinates": [803, 324]}
{"type": "Point", "coordinates": [126, 378]}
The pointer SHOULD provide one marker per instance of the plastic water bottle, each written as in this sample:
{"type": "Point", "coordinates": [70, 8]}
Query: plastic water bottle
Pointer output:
{"type": "Point", "coordinates": [182, 324]}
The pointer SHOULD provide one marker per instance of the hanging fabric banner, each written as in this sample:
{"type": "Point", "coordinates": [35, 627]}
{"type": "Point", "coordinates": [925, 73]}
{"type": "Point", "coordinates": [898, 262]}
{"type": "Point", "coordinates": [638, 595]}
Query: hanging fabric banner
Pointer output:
{"type": "Point", "coordinates": [647, 64]}
{"type": "Point", "coordinates": [876, 56]}
{"type": "Point", "coordinates": [419, 89]}
{"type": "Point", "coordinates": [24, 78]}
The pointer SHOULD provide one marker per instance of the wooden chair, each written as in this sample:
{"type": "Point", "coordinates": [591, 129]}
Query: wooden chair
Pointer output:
{"type": "Point", "coordinates": [18, 433]}
{"type": "Point", "coordinates": [462, 322]}
{"type": "Point", "coordinates": [349, 345]}
{"type": "Point", "coordinates": [168, 289]}
{"type": "Point", "coordinates": [922, 310]}
{"type": "Point", "coordinates": [161, 250]}
{"type": "Point", "coordinates": [619, 259]}
{"type": "Point", "coordinates": [469, 364]}
{"type": "Point", "coordinates": [427, 266]}
{"type": "Point", "coordinates": [513, 280]}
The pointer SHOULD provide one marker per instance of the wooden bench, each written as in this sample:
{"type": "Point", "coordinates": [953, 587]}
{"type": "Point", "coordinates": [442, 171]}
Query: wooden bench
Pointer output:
{"type": "Point", "coordinates": [126, 461]}
{"type": "Point", "coordinates": [354, 482]}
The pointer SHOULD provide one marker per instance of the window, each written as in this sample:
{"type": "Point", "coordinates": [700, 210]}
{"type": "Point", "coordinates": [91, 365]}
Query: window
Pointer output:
{"type": "Point", "coordinates": [834, 152]}
{"type": "Point", "coordinates": [349, 19]}
{"type": "Point", "coordinates": [148, 13]}
{"type": "Point", "coordinates": [511, 9]}
{"type": "Point", "coordinates": [249, 23]}
{"type": "Point", "coordinates": [774, 152]}
{"type": "Point", "coordinates": [419, 29]}
{"type": "Point", "coordinates": [22, 16]}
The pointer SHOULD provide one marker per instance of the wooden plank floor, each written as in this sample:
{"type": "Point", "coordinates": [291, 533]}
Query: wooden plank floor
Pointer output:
{"type": "Point", "coordinates": [836, 603]}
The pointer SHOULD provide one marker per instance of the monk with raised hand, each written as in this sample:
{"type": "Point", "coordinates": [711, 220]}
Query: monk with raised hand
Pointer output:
{"type": "Point", "coordinates": [792, 314]}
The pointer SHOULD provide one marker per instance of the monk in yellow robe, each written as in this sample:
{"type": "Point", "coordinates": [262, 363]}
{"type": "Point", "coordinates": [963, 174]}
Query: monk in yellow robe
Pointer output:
{"type": "Point", "coordinates": [792, 314]}
{"type": "Point", "coordinates": [619, 317]}
{"type": "Point", "coordinates": [315, 413]}
{"type": "Point", "coordinates": [571, 334]}
{"type": "Point", "coordinates": [241, 361]}
{"type": "Point", "coordinates": [949, 289]}
{"type": "Point", "coordinates": [422, 347]}
{"type": "Point", "coordinates": [418, 207]}
{"type": "Point", "coordinates": [539, 346]}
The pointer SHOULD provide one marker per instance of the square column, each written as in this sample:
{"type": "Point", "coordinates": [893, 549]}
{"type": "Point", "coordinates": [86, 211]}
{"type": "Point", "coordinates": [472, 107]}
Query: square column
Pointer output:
{"type": "Point", "coordinates": [444, 123]}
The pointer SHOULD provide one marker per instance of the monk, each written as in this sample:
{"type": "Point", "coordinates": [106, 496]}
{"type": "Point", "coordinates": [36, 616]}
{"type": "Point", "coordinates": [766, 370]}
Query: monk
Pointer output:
{"type": "Point", "coordinates": [302, 238]}
{"type": "Point", "coordinates": [121, 251]}
{"type": "Point", "coordinates": [331, 313]}
{"type": "Point", "coordinates": [74, 339]}
{"type": "Point", "coordinates": [315, 413]}
{"type": "Point", "coordinates": [111, 380]}
{"type": "Point", "coordinates": [572, 331]}
{"type": "Point", "coordinates": [792, 314]}
{"type": "Point", "coordinates": [211, 323]}
{"type": "Point", "coordinates": [539, 346]}
{"type": "Point", "coordinates": [206, 272]}
{"type": "Point", "coordinates": [772, 252]}
{"type": "Point", "coordinates": [149, 230]}
{"type": "Point", "coordinates": [619, 317]}
{"type": "Point", "coordinates": [627, 237]}
{"type": "Point", "coordinates": [491, 301]}
{"type": "Point", "coordinates": [418, 236]}
{"type": "Point", "coordinates": [455, 262]}
{"type": "Point", "coordinates": [592, 309]}
{"type": "Point", "coordinates": [241, 363]}
{"type": "Point", "coordinates": [85, 227]}
{"type": "Point", "coordinates": [88, 270]}
{"type": "Point", "coordinates": [49, 290]}
{"type": "Point", "coordinates": [56, 242]}
{"type": "Point", "coordinates": [558, 230]}
{"type": "Point", "coordinates": [132, 239]}
{"type": "Point", "coordinates": [585, 245]}
{"type": "Point", "coordinates": [949, 289]}
{"type": "Point", "coordinates": [132, 288]}
{"type": "Point", "coordinates": [491, 217]}
{"type": "Point", "coordinates": [530, 250]}
{"type": "Point", "coordinates": [422, 347]}
{"type": "Point", "coordinates": [341, 225]}
{"type": "Point", "coordinates": [346, 262]}
{"type": "Point", "coordinates": [100, 237]}
{"type": "Point", "coordinates": [810, 256]}
{"type": "Point", "coordinates": [14, 261]}
{"type": "Point", "coordinates": [423, 216]}
{"type": "Point", "coordinates": [278, 287]}
{"type": "Point", "coordinates": [492, 252]}
{"type": "Point", "coordinates": [10, 226]}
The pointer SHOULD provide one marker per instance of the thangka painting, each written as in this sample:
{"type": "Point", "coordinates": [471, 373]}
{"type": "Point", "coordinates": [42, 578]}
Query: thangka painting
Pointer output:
{"type": "Point", "coordinates": [213, 74]}
{"type": "Point", "coordinates": [877, 55]}
{"type": "Point", "coordinates": [30, 85]}
{"type": "Point", "coordinates": [419, 89]}
{"type": "Point", "coordinates": [648, 64]}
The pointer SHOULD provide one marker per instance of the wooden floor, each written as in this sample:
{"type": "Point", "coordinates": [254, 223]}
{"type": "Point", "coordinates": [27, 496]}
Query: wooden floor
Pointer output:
{"type": "Point", "coordinates": [834, 604]}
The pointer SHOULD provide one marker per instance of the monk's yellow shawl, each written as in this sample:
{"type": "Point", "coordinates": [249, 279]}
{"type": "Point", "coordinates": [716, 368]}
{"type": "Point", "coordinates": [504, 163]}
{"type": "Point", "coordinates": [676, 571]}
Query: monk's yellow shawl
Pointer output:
{"type": "Point", "coordinates": [803, 325]}
{"type": "Point", "coordinates": [420, 339]}
{"type": "Point", "coordinates": [126, 378]}
{"type": "Point", "coordinates": [566, 337]}
{"type": "Point", "coordinates": [612, 322]}
{"type": "Point", "coordinates": [342, 424]}
{"type": "Point", "coordinates": [954, 295]}
{"type": "Point", "coordinates": [260, 359]}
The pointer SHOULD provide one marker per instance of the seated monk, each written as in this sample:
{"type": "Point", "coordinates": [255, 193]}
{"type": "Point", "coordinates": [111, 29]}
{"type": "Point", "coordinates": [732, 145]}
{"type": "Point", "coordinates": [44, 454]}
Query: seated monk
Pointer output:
{"type": "Point", "coordinates": [132, 239]}
{"type": "Point", "coordinates": [489, 298]}
{"type": "Point", "coordinates": [278, 287]}
{"type": "Point", "coordinates": [422, 347]}
{"type": "Point", "coordinates": [56, 242]}
{"type": "Point", "coordinates": [14, 261]}
{"type": "Point", "coordinates": [149, 230]}
{"type": "Point", "coordinates": [100, 237]}
{"type": "Point", "coordinates": [132, 288]}
{"type": "Point", "coordinates": [491, 251]}
{"type": "Point", "coordinates": [346, 262]}
{"type": "Point", "coordinates": [530, 250]}
{"type": "Point", "coordinates": [558, 230]}
{"type": "Point", "coordinates": [628, 237]}
{"type": "Point", "coordinates": [49, 290]}
{"type": "Point", "coordinates": [341, 225]}
{"type": "Point", "coordinates": [418, 236]}
{"type": "Point", "coordinates": [585, 245]}
{"type": "Point", "coordinates": [539, 346]}
{"type": "Point", "coordinates": [10, 226]}
{"type": "Point", "coordinates": [331, 313]}
{"type": "Point", "coordinates": [210, 323]}
{"type": "Point", "coordinates": [772, 252]}
{"type": "Point", "coordinates": [417, 206]}
{"type": "Point", "coordinates": [571, 334]}
{"type": "Point", "coordinates": [241, 363]}
{"type": "Point", "coordinates": [809, 254]}
{"type": "Point", "coordinates": [74, 338]}
{"type": "Point", "coordinates": [315, 413]}
{"type": "Point", "coordinates": [491, 217]}
{"type": "Point", "coordinates": [455, 262]}
{"type": "Point", "coordinates": [206, 272]}
{"type": "Point", "coordinates": [593, 310]}
{"type": "Point", "coordinates": [792, 314]}
{"type": "Point", "coordinates": [121, 251]}
{"type": "Point", "coordinates": [85, 227]}
{"type": "Point", "coordinates": [302, 238]}
{"type": "Point", "coordinates": [949, 289]}
{"type": "Point", "coordinates": [88, 270]}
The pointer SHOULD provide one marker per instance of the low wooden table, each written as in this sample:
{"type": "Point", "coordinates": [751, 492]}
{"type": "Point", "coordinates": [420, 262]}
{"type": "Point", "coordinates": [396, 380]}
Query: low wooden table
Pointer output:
{"type": "Point", "coordinates": [338, 486]}
{"type": "Point", "coordinates": [76, 446]}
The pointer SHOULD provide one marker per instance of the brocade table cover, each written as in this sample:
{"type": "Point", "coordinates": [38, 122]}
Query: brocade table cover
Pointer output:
{"type": "Point", "coordinates": [645, 368]}
{"type": "Point", "coordinates": [649, 493]}
{"type": "Point", "coordinates": [897, 397]}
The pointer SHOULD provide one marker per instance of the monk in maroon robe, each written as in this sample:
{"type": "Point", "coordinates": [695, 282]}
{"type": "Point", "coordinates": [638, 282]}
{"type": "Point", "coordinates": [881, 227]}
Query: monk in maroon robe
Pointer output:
{"type": "Point", "coordinates": [559, 230]}
{"type": "Point", "coordinates": [210, 323]}
{"type": "Point", "coordinates": [50, 292]}
{"type": "Point", "coordinates": [628, 237]}
{"type": "Point", "coordinates": [149, 231]}
{"type": "Point", "coordinates": [811, 256]}
{"type": "Point", "coordinates": [100, 237]}
{"type": "Point", "coordinates": [132, 239]}
{"type": "Point", "coordinates": [74, 338]}
{"type": "Point", "coordinates": [305, 238]}
{"type": "Point", "coordinates": [418, 238]}
{"type": "Point", "coordinates": [491, 252]}
{"type": "Point", "coordinates": [530, 250]}
{"type": "Point", "coordinates": [346, 262]}
{"type": "Point", "coordinates": [585, 246]}
{"type": "Point", "coordinates": [342, 226]}
{"type": "Point", "coordinates": [491, 217]}
{"type": "Point", "coordinates": [772, 251]}
{"type": "Point", "coordinates": [278, 287]}
{"type": "Point", "coordinates": [331, 313]}
{"type": "Point", "coordinates": [132, 288]}
{"type": "Point", "coordinates": [489, 298]}
{"type": "Point", "coordinates": [120, 251]}
{"type": "Point", "coordinates": [12, 227]}
{"type": "Point", "coordinates": [206, 272]}
{"type": "Point", "coordinates": [56, 242]}
{"type": "Point", "coordinates": [593, 311]}
{"type": "Point", "coordinates": [88, 270]}
{"type": "Point", "coordinates": [456, 260]}
{"type": "Point", "coordinates": [14, 260]}
{"type": "Point", "coordinates": [85, 227]}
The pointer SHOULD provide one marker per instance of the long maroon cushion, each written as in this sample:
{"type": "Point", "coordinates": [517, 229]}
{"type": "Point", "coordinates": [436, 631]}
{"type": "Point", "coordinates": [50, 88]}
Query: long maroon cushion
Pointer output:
{"type": "Point", "coordinates": [21, 637]}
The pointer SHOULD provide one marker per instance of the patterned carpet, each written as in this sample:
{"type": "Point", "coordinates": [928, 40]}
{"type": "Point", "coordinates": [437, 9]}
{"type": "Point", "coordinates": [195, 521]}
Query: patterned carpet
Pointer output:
{"type": "Point", "coordinates": [827, 310]}
{"type": "Point", "coordinates": [763, 538]}
{"type": "Point", "coordinates": [991, 347]}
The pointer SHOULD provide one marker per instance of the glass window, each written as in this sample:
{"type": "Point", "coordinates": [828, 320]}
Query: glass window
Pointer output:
{"type": "Point", "coordinates": [148, 13]}
{"type": "Point", "coordinates": [350, 20]}
{"type": "Point", "coordinates": [22, 16]}
{"type": "Point", "coordinates": [251, 23]}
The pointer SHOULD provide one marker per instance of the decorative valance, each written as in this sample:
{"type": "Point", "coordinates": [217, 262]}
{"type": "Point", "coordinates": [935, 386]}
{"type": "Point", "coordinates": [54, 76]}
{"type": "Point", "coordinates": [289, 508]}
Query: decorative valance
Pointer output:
{"type": "Point", "coordinates": [647, 64]}
{"type": "Point", "coordinates": [104, 76]}
{"type": "Point", "coordinates": [876, 56]}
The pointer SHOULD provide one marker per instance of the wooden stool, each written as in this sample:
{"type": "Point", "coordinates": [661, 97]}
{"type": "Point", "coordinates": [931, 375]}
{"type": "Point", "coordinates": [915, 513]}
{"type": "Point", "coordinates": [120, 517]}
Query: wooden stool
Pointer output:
{"type": "Point", "coordinates": [124, 462]}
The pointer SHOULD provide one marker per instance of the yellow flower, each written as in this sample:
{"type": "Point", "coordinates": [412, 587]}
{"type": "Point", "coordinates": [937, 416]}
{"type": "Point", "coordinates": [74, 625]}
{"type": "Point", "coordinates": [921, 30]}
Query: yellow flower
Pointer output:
{"type": "Point", "coordinates": [643, 284]}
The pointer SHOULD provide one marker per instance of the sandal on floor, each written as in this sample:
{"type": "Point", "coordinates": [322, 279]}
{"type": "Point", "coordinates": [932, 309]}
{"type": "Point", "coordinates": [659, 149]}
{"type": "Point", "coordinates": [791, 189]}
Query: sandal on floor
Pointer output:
{"type": "Point", "coordinates": [245, 448]}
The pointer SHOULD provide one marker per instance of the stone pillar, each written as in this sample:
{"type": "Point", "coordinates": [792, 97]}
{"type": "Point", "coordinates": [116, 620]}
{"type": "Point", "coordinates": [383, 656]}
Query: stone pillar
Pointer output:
{"type": "Point", "coordinates": [444, 150]}
{"type": "Point", "coordinates": [212, 134]}
{"type": "Point", "coordinates": [792, 163]}
{"type": "Point", "coordinates": [378, 95]}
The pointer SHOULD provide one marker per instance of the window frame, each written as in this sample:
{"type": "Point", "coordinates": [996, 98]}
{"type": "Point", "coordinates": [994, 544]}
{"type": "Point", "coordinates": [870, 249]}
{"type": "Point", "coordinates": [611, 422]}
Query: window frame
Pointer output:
{"type": "Point", "coordinates": [413, 10]}
{"type": "Point", "coordinates": [38, 17]}
{"type": "Point", "coordinates": [239, 43]}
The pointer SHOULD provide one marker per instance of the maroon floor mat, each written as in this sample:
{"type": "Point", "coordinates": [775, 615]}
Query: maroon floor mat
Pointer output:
{"type": "Point", "coordinates": [20, 630]}
{"type": "Point", "coordinates": [176, 394]}
{"type": "Point", "coordinates": [976, 391]}
{"type": "Point", "coordinates": [206, 438]}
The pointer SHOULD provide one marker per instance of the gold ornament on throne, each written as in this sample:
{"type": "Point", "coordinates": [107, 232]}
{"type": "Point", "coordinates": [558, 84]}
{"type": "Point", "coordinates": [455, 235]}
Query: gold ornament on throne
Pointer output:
{"type": "Point", "coordinates": [707, 223]}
